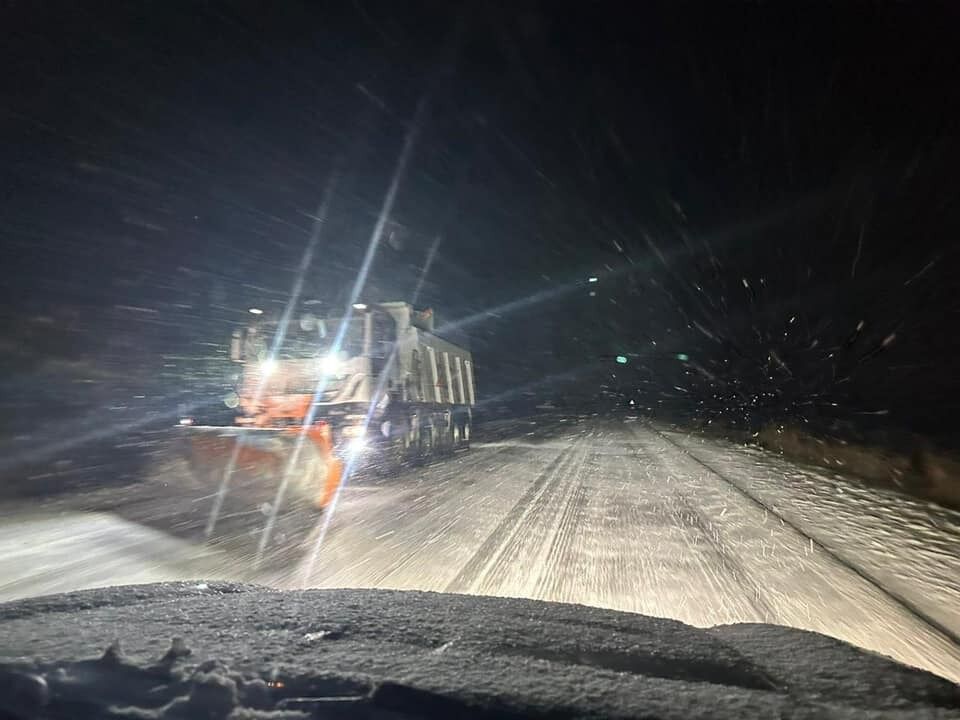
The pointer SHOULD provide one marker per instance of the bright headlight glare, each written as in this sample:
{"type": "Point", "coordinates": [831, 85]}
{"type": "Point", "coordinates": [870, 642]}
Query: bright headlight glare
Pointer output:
{"type": "Point", "coordinates": [356, 445]}
{"type": "Point", "coordinates": [267, 367]}
{"type": "Point", "coordinates": [352, 431]}
{"type": "Point", "coordinates": [330, 365]}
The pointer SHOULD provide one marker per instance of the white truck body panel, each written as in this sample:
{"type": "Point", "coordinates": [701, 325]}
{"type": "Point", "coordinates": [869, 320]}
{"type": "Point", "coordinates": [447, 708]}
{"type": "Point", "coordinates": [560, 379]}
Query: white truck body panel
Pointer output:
{"type": "Point", "coordinates": [429, 368]}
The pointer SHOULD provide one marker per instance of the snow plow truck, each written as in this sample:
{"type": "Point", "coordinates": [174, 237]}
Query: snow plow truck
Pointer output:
{"type": "Point", "coordinates": [317, 398]}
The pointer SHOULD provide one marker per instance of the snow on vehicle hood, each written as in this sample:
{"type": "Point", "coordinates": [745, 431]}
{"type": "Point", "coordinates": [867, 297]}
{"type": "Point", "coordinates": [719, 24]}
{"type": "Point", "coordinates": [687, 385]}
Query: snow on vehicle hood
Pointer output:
{"type": "Point", "coordinates": [253, 651]}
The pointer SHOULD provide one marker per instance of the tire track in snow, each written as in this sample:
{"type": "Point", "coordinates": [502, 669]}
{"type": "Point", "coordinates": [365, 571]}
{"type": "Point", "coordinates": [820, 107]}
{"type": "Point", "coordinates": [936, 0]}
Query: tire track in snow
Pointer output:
{"type": "Point", "coordinates": [483, 563]}
{"type": "Point", "coordinates": [518, 566]}
{"type": "Point", "coordinates": [725, 560]}
{"type": "Point", "coordinates": [550, 580]}
{"type": "Point", "coordinates": [383, 525]}
{"type": "Point", "coordinates": [703, 553]}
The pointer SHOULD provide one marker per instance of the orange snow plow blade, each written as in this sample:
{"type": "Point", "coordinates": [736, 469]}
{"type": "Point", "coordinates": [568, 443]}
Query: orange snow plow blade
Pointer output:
{"type": "Point", "coordinates": [267, 454]}
{"type": "Point", "coordinates": [332, 474]}
{"type": "Point", "coordinates": [251, 481]}
{"type": "Point", "coordinates": [332, 482]}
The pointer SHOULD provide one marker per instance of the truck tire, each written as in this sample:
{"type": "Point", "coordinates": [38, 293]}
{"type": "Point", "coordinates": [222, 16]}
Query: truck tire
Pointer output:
{"type": "Point", "coordinates": [393, 443]}
{"type": "Point", "coordinates": [449, 444]}
{"type": "Point", "coordinates": [425, 446]}
{"type": "Point", "coordinates": [460, 432]}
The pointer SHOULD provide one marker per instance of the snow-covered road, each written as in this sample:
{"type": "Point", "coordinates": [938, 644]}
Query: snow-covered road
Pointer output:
{"type": "Point", "coordinates": [615, 515]}
{"type": "Point", "coordinates": [608, 513]}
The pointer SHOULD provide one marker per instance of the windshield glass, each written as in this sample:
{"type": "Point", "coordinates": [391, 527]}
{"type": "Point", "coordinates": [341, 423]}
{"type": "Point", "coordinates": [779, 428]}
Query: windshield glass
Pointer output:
{"type": "Point", "coordinates": [654, 306]}
{"type": "Point", "coordinates": [305, 338]}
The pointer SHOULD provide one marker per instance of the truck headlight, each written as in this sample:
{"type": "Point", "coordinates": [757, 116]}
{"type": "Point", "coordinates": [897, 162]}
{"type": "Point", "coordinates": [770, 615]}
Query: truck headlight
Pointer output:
{"type": "Point", "coordinates": [267, 367]}
{"type": "Point", "coordinates": [356, 446]}
{"type": "Point", "coordinates": [331, 365]}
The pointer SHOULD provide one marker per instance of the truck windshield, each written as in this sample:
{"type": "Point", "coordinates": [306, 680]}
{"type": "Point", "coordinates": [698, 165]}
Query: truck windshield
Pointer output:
{"type": "Point", "coordinates": [305, 338]}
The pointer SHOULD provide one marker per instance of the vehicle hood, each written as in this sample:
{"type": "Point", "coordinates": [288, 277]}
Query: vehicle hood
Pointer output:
{"type": "Point", "coordinates": [252, 650]}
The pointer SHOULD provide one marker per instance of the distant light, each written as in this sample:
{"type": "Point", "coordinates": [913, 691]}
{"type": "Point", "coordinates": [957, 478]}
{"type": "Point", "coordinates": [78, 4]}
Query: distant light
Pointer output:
{"type": "Point", "coordinates": [186, 421]}
{"type": "Point", "coordinates": [682, 357]}
{"type": "Point", "coordinates": [622, 359]}
{"type": "Point", "coordinates": [255, 311]}
{"type": "Point", "coordinates": [359, 306]}
{"type": "Point", "coordinates": [593, 279]}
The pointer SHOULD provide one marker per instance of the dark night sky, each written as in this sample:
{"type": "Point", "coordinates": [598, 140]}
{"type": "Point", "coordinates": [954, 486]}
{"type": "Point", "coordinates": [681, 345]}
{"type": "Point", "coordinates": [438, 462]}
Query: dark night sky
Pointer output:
{"type": "Point", "coordinates": [767, 188]}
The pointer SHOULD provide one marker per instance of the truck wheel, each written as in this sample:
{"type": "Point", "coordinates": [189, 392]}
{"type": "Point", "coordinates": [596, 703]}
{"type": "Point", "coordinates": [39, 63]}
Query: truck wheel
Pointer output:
{"type": "Point", "coordinates": [449, 438]}
{"type": "Point", "coordinates": [392, 446]}
{"type": "Point", "coordinates": [425, 448]}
